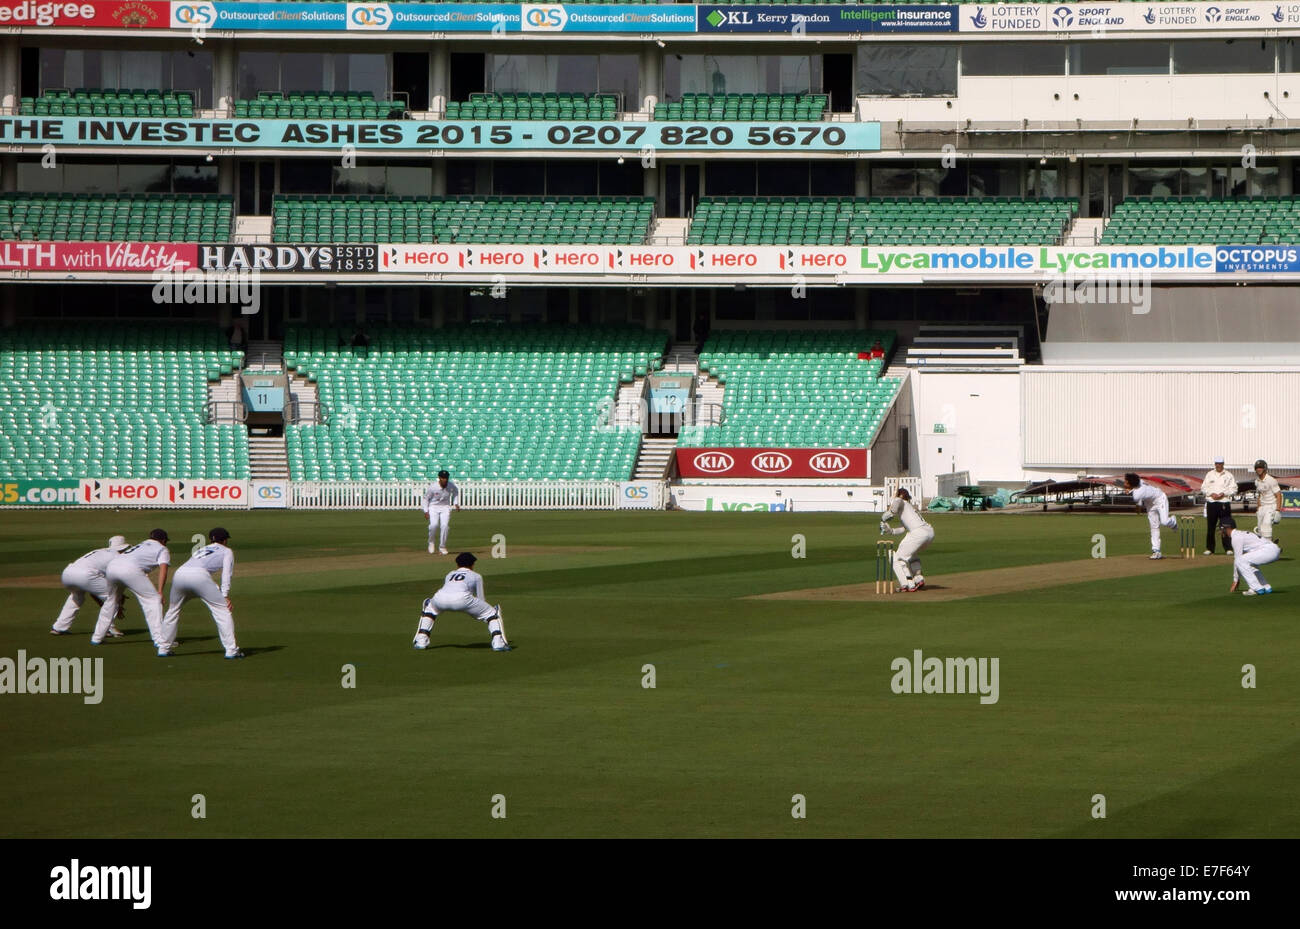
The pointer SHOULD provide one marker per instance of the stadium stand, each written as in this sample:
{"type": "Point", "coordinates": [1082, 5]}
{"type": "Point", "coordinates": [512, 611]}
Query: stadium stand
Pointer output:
{"type": "Point", "coordinates": [53, 217]}
{"type": "Point", "coordinates": [879, 221]}
{"type": "Point", "coordinates": [351, 104]}
{"type": "Point", "coordinates": [796, 389]}
{"type": "Point", "coordinates": [511, 402]}
{"type": "Point", "coordinates": [1203, 221]}
{"type": "Point", "coordinates": [535, 106]}
{"type": "Point", "coordinates": [479, 219]}
{"type": "Point", "coordinates": [787, 107]}
{"type": "Point", "coordinates": [114, 401]}
{"type": "Point", "coordinates": [109, 102]}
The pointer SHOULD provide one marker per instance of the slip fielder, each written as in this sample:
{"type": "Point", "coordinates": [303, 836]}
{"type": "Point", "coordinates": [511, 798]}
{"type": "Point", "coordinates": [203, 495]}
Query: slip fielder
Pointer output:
{"type": "Point", "coordinates": [194, 579]}
{"type": "Point", "coordinates": [439, 500]}
{"type": "Point", "coordinates": [86, 576]}
{"type": "Point", "coordinates": [907, 563]}
{"type": "Point", "coordinates": [128, 571]}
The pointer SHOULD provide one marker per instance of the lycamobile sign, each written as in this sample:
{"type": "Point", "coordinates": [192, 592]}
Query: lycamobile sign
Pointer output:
{"type": "Point", "coordinates": [1038, 259]}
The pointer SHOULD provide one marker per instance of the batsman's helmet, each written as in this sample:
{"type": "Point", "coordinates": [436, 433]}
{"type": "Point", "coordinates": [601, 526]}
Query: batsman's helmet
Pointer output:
{"type": "Point", "coordinates": [1262, 464]}
{"type": "Point", "coordinates": [465, 560]}
{"type": "Point", "coordinates": [1227, 522]}
{"type": "Point", "coordinates": [443, 474]}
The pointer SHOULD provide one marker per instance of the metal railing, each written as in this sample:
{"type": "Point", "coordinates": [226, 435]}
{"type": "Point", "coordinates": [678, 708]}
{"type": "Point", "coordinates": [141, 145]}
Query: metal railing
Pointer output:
{"type": "Point", "coordinates": [307, 411]}
{"type": "Point", "coordinates": [635, 414]}
{"type": "Point", "coordinates": [226, 411]}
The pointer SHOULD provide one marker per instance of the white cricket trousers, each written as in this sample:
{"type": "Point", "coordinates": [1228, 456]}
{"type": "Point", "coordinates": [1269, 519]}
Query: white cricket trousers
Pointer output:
{"type": "Point", "coordinates": [906, 563]}
{"type": "Point", "coordinates": [123, 578]}
{"type": "Point", "coordinates": [451, 601]}
{"type": "Point", "coordinates": [190, 583]}
{"type": "Point", "coordinates": [1247, 565]}
{"type": "Point", "coordinates": [80, 581]}
{"type": "Point", "coordinates": [1158, 516]}
{"type": "Point", "coordinates": [1264, 521]}
{"type": "Point", "coordinates": [439, 523]}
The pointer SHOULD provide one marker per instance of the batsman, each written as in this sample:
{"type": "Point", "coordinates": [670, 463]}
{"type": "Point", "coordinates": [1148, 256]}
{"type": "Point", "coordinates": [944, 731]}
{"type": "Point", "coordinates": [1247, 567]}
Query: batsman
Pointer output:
{"type": "Point", "coordinates": [907, 561]}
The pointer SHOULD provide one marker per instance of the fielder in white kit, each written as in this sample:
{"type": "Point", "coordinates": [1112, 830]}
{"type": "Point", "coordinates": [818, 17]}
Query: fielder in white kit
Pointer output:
{"type": "Point", "coordinates": [438, 502]}
{"type": "Point", "coordinates": [1249, 551]}
{"type": "Point", "coordinates": [462, 591]}
{"type": "Point", "coordinates": [1156, 504]}
{"type": "Point", "coordinates": [194, 579]}
{"type": "Point", "coordinates": [907, 564]}
{"type": "Point", "coordinates": [86, 576]}
{"type": "Point", "coordinates": [1269, 497]}
{"type": "Point", "coordinates": [129, 571]}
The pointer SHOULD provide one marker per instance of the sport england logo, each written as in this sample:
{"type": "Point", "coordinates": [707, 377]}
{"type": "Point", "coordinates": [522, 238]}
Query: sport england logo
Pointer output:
{"type": "Point", "coordinates": [369, 17]}
{"type": "Point", "coordinates": [1062, 17]}
{"type": "Point", "coordinates": [1213, 14]}
{"type": "Point", "coordinates": [549, 17]}
{"type": "Point", "coordinates": [193, 16]}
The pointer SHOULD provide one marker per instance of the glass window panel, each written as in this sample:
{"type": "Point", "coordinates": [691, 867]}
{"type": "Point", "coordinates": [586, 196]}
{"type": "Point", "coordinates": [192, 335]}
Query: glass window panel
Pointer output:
{"type": "Point", "coordinates": [362, 179]}
{"type": "Point", "coordinates": [302, 71]}
{"type": "Point", "coordinates": [305, 176]}
{"type": "Point", "coordinates": [1264, 182]}
{"type": "Point", "coordinates": [1119, 58]}
{"type": "Point", "coordinates": [896, 70]}
{"type": "Point", "coordinates": [783, 178]}
{"type": "Point", "coordinates": [729, 179]}
{"type": "Point", "coordinates": [1011, 59]}
{"type": "Point", "coordinates": [1043, 182]}
{"type": "Point", "coordinates": [618, 75]}
{"type": "Point", "coordinates": [258, 71]}
{"type": "Point", "coordinates": [994, 180]}
{"type": "Point", "coordinates": [192, 70]}
{"type": "Point", "coordinates": [832, 179]}
{"type": "Point", "coordinates": [623, 180]}
{"type": "Point", "coordinates": [519, 177]}
{"type": "Point", "coordinates": [1154, 181]}
{"type": "Point", "coordinates": [575, 74]}
{"type": "Point", "coordinates": [34, 178]}
{"type": "Point", "coordinates": [90, 178]}
{"type": "Point", "coordinates": [142, 68]}
{"type": "Point", "coordinates": [571, 178]}
{"type": "Point", "coordinates": [887, 181]}
{"type": "Point", "coordinates": [405, 180]}
{"type": "Point", "coordinates": [362, 72]}
{"type": "Point", "coordinates": [199, 178]}
{"type": "Point", "coordinates": [1233, 56]}
{"type": "Point", "coordinates": [144, 178]}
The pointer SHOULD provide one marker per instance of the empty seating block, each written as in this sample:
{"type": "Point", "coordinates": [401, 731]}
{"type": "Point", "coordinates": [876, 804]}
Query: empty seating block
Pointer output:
{"type": "Point", "coordinates": [744, 107]}
{"type": "Point", "coordinates": [516, 220]}
{"type": "Point", "coordinates": [116, 217]}
{"type": "Point", "coordinates": [489, 402]}
{"type": "Point", "coordinates": [879, 221]}
{"type": "Point", "coordinates": [114, 401]}
{"type": "Point", "coordinates": [552, 106]}
{"type": "Point", "coordinates": [794, 389]}
{"type": "Point", "coordinates": [1204, 221]}
{"type": "Point", "coordinates": [349, 104]}
{"type": "Point", "coordinates": [109, 102]}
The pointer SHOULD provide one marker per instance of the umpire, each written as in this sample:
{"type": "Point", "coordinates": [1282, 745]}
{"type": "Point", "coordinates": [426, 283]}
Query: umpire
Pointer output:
{"type": "Point", "coordinates": [1219, 486]}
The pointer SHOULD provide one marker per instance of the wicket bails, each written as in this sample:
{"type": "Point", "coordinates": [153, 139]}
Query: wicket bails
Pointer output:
{"type": "Point", "coordinates": [885, 566]}
{"type": "Point", "coordinates": [1187, 536]}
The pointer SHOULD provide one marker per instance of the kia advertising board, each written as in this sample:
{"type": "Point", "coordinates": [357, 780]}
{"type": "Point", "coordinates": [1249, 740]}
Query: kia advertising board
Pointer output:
{"type": "Point", "coordinates": [759, 463]}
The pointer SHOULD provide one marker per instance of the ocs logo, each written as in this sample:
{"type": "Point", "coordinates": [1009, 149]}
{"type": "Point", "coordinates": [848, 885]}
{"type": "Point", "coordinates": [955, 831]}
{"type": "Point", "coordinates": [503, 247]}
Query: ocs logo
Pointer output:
{"type": "Point", "coordinates": [194, 15]}
{"type": "Point", "coordinates": [636, 492]}
{"type": "Point", "coordinates": [369, 15]}
{"type": "Point", "coordinates": [544, 18]}
{"type": "Point", "coordinates": [270, 492]}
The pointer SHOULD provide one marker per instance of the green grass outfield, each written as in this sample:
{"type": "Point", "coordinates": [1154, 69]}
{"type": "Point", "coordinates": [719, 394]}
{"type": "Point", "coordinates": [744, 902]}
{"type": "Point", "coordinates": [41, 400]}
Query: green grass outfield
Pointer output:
{"type": "Point", "coordinates": [1129, 688]}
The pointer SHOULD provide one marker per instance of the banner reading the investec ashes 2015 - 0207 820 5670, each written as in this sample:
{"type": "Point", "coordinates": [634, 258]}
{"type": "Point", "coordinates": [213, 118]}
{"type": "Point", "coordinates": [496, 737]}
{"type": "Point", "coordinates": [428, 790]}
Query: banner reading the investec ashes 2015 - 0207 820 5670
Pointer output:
{"type": "Point", "coordinates": [450, 135]}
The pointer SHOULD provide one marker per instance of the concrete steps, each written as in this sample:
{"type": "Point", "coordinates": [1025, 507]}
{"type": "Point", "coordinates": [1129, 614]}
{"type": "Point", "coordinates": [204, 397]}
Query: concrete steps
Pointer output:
{"type": "Point", "coordinates": [653, 458]}
{"type": "Point", "coordinates": [268, 457]}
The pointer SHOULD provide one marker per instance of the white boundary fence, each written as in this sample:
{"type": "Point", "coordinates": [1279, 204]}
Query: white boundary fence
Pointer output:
{"type": "Point", "coordinates": [478, 495]}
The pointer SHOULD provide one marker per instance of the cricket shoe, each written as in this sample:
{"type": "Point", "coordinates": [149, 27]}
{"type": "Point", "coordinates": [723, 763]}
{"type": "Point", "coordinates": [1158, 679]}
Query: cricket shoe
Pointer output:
{"type": "Point", "coordinates": [442, 551]}
{"type": "Point", "coordinates": [1156, 556]}
{"type": "Point", "coordinates": [904, 589]}
{"type": "Point", "coordinates": [164, 653]}
{"type": "Point", "coordinates": [431, 548]}
{"type": "Point", "coordinates": [59, 632]}
{"type": "Point", "coordinates": [1251, 593]}
{"type": "Point", "coordinates": [1266, 590]}
{"type": "Point", "coordinates": [115, 633]}
{"type": "Point", "coordinates": [918, 583]}
{"type": "Point", "coordinates": [421, 642]}
{"type": "Point", "coordinates": [1207, 552]}
{"type": "Point", "coordinates": [500, 633]}
{"type": "Point", "coordinates": [237, 653]}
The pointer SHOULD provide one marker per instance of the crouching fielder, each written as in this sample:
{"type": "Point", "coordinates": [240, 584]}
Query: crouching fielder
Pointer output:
{"type": "Point", "coordinates": [86, 576]}
{"type": "Point", "coordinates": [462, 592]}
{"type": "Point", "coordinates": [194, 579]}
{"type": "Point", "coordinates": [1154, 501]}
{"type": "Point", "coordinates": [129, 571]}
{"type": "Point", "coordinates": [1249, 551]}
{"type": "Point", "coordinates": [907, 564]}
